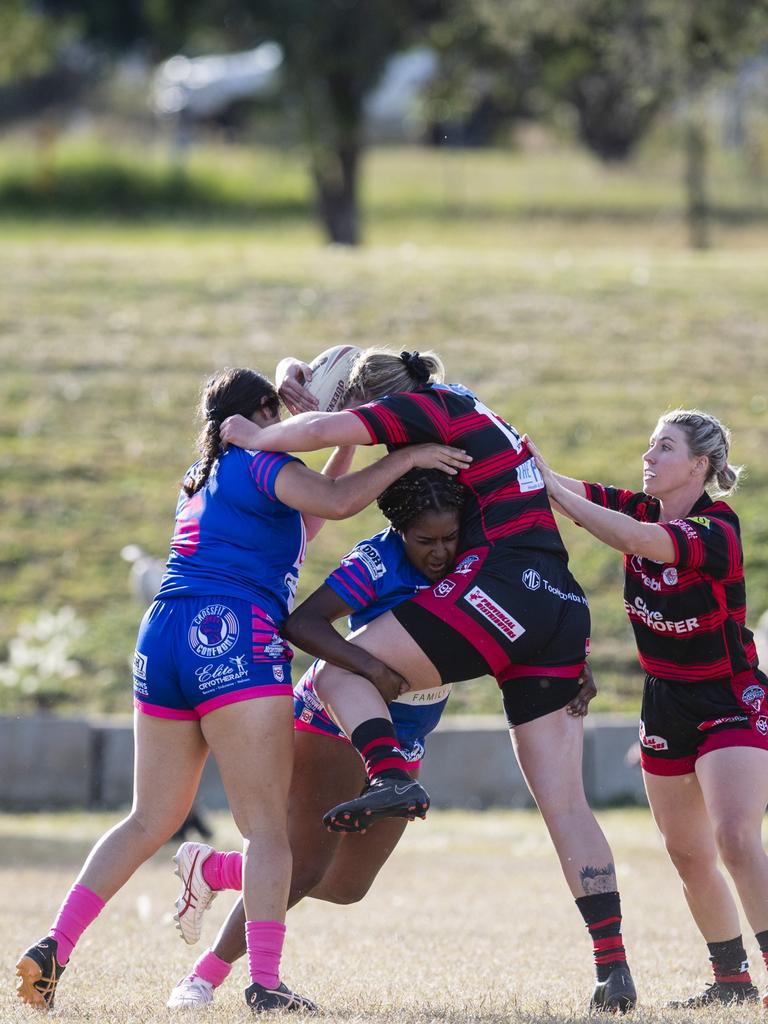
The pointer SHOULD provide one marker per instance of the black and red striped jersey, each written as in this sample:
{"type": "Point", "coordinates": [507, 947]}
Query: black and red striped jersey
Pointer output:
{"type": "Point", "coordinates": [507, 501]}
{"type": "Point", "coordinates": [689, 616]}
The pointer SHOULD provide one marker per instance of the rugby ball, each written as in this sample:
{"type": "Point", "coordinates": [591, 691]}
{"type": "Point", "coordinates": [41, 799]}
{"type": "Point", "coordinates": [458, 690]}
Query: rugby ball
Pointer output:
{"type": "Point", "coordinates": [330, 375]}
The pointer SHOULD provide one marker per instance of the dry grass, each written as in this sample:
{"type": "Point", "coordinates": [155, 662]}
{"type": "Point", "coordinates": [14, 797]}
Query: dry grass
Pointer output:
{"type": "Point", "coordinates": [469, 921]}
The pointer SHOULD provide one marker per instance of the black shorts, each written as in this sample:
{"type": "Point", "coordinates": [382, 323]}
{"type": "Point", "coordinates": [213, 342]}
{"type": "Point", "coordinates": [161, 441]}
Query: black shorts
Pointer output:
{"type": "Point", "coordinates": [680, 722]}
{"type": "Point", "coordinates": [507, 614]}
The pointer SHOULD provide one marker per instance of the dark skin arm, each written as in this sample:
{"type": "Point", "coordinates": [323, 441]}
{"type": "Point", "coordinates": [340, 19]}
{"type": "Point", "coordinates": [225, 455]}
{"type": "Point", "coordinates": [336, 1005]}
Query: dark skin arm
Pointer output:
{"type": "Point", "coordinates": [310, 628]}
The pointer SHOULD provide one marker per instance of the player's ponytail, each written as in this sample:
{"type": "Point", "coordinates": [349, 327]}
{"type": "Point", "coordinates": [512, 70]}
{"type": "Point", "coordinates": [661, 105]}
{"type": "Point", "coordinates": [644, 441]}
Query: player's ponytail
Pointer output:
{"type": "Point", "coordinates": [420, 491]}
{"type": "Point", "coordinates": [378, 372]}
{"type": "Point", "coordinates": [707, 436]}
{"type": "Point", "coordinates": [227, 393]}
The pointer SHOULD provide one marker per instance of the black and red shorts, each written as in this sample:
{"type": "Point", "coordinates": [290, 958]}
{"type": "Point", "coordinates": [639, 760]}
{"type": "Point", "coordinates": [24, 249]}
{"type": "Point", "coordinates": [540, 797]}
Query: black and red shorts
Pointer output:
{"type": "Point", "coordinates": [680, 722]}
{"type": "Point", "coordinates": [509, 614]}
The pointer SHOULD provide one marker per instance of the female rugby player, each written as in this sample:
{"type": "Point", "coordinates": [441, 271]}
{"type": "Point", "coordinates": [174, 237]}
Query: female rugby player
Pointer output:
{"type": "Point", "coordinates": [211, 671]}
{"type": "Point", "coordinates": [510, 609]}
{"type": "Point", "coordinates": [704, 719]}
{"type": "Point", "coordinates": [418, 549]}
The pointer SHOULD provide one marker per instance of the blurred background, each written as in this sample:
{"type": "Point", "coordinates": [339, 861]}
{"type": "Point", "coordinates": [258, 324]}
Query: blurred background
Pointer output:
{"type": "Point", "coordinates": [568, 201]}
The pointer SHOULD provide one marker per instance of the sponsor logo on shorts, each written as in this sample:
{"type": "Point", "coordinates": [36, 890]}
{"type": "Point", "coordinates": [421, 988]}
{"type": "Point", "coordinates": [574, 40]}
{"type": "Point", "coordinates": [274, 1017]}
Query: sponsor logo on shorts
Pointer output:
{"type": "Point", "coordinates": [371, 559]}
{"type": "Point", "coordinates": [725, 720]}
{"type": "Point", "coordinates": [670, 576]}
{"type": "Point", "coordinates": [655, 620]}
{"type": "Point", "coordinates": [278, 673]}
{"type": "Point", "coordinates": [214, 631]}
{"type": "Point", "coordinates": [494, 613]}
{"type": "Point", "coordinates": [529, 478]}
{"type": "Point", "coordinates": [762, 725]}
{"type": "Point", "coordinates": [443, 588]}
{"type": "Point", "coordinates": [753, 695]}
{"type": "Point", "coordinates": [223, 674]}
{"type": "Point", "coordinates": [464, 568]}
{"type": "Point", "coordinates": [425, 697]}
{"type": "Point", "coordinates": [414, 752]}
{"type": "Point", "coordinates": [140, 666]}
{"type": "Point", "coordinates": [652, 742]}
{"type": "Point", "coordinates": [276, 647]}
{"type": "Point", "coordinates": [140, 688]}
{"type": "Point", "coordinates": [531, 579]}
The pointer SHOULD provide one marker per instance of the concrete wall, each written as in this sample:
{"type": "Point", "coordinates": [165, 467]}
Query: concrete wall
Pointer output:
{"type": "Point", "coordinates": [48, 762]}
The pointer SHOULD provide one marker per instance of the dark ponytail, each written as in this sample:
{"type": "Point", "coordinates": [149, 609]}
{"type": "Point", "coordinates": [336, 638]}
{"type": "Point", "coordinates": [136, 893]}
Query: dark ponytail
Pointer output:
{"type": "Point", "coordinates": [227, 393]}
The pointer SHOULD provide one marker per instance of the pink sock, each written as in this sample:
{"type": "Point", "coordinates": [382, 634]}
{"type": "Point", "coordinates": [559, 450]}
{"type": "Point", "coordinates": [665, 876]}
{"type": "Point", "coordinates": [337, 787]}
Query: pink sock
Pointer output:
{"type": "Point", "coordinates": [80, 908]}
{"type": "Point", "coordinates": [212, 968]}
{"type": "Point", "coordinates": [264, 940]}
{"type": "Point", "coordinates": [224, 870]}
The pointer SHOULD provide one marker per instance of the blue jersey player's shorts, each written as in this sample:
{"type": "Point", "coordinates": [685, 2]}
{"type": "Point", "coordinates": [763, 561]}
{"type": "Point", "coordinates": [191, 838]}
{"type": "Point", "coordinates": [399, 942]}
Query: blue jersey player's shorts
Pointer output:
{"type": "Point", "coordinates": [196, 654]}
{"type": "Point", "coordinates": [414, 716]}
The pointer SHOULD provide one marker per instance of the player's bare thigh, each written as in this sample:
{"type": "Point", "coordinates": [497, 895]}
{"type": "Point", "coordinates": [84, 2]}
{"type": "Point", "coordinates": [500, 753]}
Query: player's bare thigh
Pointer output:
{"type": "Point", "coordinates": [388, 641]}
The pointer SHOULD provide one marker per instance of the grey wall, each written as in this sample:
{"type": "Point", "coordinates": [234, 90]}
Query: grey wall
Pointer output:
{"type": "Point", "coordinates": [48, 762]}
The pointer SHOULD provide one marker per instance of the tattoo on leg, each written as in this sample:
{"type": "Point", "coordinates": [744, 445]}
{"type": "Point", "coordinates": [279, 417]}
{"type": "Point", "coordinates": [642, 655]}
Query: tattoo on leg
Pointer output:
{"type": "Point", "coordinates": [594, 880]}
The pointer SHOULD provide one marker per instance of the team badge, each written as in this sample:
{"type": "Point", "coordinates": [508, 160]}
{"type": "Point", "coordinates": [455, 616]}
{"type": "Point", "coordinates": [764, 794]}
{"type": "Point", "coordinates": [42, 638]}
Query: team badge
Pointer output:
{"type": "Point", "coordinates": [214, 631]}
{"type": "Point", "coordinates": [753, 695]}
{"type": "Point", "coordinates": [762, 725]}
{"type": "Point", "coordinates": [464, 568]}
{"type": "Point", "coordinates": [670, 576]}
{"type": "Point", "coordinates": [277, 672]}
{"type": "Point", "coordinates": [443, 588]}
{"type": "Point", "coordinates": [306, 714]}
{"type": "Point", "coordinates": [531, 579]}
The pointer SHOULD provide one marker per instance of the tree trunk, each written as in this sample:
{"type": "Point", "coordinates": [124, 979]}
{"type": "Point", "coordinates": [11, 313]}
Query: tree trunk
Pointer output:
{"type": "Point", "coordinates": [697, 203]}
{"type": "Point", "coordinates": [336, 179]}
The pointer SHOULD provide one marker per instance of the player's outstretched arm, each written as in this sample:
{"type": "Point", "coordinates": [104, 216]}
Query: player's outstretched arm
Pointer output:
{"type": "Point", "coordinates": [307, 432]}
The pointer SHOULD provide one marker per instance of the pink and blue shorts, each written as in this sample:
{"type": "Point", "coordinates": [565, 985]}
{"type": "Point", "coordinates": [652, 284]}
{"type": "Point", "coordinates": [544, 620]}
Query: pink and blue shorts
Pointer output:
{"type": "Point", "coordinates": [196, 654]}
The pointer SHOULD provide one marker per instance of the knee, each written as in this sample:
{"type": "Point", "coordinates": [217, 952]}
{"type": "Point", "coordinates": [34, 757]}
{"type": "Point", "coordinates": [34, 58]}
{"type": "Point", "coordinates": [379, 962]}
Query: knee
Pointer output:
{"type": "Point", "coordinates": [150, 832]}
{"type": "Point", "coordinates": [736, 844]}
{"type": "Point", "coordinates": [688, 859]}
{"type": "Point", "coordinates": [304, 880]}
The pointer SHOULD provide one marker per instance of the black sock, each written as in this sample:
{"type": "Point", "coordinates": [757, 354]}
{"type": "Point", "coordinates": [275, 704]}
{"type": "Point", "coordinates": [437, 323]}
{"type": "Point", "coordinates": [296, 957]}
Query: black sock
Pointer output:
{"type": "Point", "coordinates": [729, 961]}
{"type": "Point", "coordinates": [762, 941]}
{"type": "Point", "coordinates": [602, 916]}
{"type": "Point", "coordinates": [379, 747]}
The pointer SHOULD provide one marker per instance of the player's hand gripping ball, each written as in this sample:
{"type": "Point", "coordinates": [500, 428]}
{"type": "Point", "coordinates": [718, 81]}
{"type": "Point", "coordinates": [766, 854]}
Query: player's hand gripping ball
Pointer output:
{"type": "Point", "coordinates": [330, 376]}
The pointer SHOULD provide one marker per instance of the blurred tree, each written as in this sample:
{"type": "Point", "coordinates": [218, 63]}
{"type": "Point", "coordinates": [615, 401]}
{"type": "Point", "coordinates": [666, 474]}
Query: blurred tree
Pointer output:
{"type": "Point", "coordinates": [618, 62]}
{"type": "Point", "coordinates": [333, 55]}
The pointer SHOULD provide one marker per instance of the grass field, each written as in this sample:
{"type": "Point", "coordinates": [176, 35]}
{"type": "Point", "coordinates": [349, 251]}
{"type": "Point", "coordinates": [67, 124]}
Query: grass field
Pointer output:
{"type": "Point", "coordinates": [469, 921]}
{"type": "Point", "coordinates": [577, 321]}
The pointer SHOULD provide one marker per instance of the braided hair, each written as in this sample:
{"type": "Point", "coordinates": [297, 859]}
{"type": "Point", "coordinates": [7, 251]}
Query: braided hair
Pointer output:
{"type": "Point", "coordinates": [227, 393]}
{"type": "Point", "coordinates": [420, 491]}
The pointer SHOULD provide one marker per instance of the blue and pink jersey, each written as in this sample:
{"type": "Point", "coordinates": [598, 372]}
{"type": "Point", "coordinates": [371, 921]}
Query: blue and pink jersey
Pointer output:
{"type": "Point", "coordinates": [212, 635]}
{"type": "Point", "coordinates": [375, 576]}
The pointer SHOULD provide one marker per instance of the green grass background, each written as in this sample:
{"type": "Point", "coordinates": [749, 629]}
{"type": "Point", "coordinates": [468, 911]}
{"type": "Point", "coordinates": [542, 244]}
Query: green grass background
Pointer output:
{"type": "Point", "coordinates": [562, 291]}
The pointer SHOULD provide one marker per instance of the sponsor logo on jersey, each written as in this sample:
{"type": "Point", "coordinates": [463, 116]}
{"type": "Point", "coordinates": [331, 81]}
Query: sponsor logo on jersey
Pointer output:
{"type": "Point", "coordinates": [464, 568]}
{"type": "Point", "coordinates": [655, 620]}
{"type": "Point", "coordinates": [652, 742]}
{"type": "Point", "coordinates": [443, 588]}
{"type": "Point", "coordinates": [686, 527]}
{"type": "Point", "coordinates": [528, 477]}
{"type": "Point", "coordinates": [753, 695]}
{"type": "Point", "coordinates": [670, 576]}
{"type": "Point", "coordinates": [701, 520]}
{"type": "Point", "coordinates": [762, 725]}
{"type": "Point", "coordinates": [531, 579]}
{"type": "Point", "coordinates": [636, 563]}
{"type": "Point", "coordinates": [276, 647]}
{"type": "Point", "coordinates": [214, 631]}
{"type": "Point", "coordinates": [139, 665]}
{"type": "Point", "coordinates": [371, 559]}
{"type": "Point", "coordinates": [223, 674]}
{"type": "Point", "coordinates": [278, 673]}
{"type": "Point", "coordinates": [494, 613]}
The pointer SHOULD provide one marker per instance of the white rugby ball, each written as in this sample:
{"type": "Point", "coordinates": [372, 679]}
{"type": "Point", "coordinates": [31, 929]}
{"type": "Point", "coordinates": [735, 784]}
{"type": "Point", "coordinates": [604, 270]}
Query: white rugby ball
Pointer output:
{"type": "Point", "coordinates": [330, 375]}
